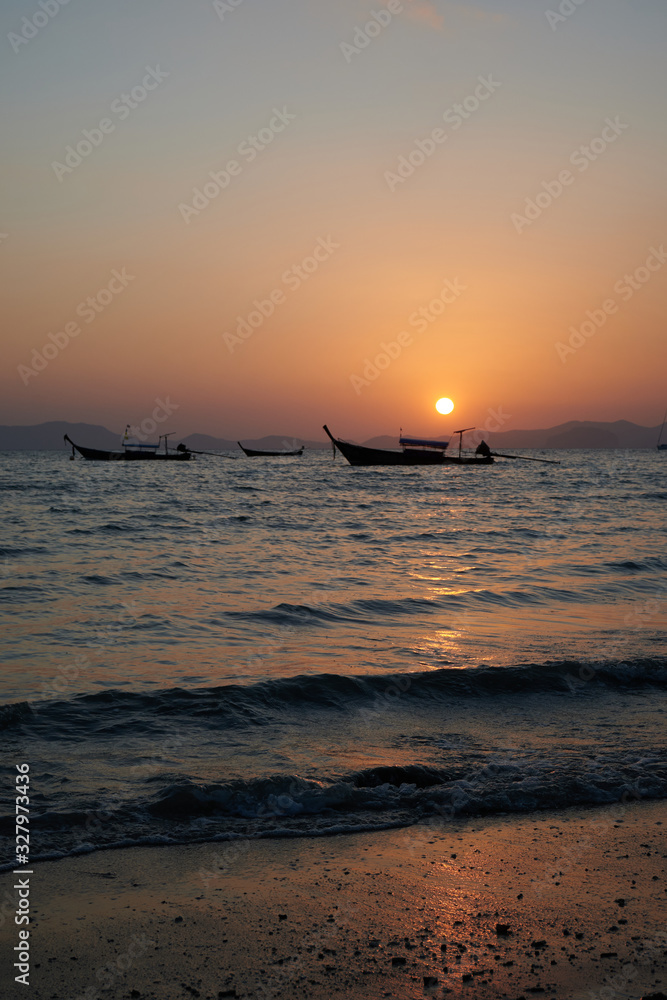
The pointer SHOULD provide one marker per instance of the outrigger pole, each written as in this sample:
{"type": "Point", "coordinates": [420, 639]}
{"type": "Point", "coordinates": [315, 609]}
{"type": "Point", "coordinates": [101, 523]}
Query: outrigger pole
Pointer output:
{"type": "Point", "coordinates": [498, 454]}
{"type": "Point", "coordinates": [215, 454]}
{"type": "Point", "coordinates": [524, 458]}
{"type": "Point", "coordinates": [192, 451]}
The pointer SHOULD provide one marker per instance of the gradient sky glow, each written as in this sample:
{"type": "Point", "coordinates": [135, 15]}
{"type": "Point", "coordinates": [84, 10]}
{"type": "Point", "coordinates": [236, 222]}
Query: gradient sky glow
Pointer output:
{"type": "Point", "coordinates": [324, 180]}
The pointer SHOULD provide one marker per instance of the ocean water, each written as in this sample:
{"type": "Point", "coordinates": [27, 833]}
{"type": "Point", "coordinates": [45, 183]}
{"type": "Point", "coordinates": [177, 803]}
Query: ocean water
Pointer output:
{"type": "Point", "coordinates": [290, 647]}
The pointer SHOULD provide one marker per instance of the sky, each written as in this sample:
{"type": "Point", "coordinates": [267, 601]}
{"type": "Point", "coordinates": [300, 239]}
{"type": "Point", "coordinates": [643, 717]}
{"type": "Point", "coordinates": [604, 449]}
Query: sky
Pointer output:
{"type": "Point", "coordinates": [265, 216]}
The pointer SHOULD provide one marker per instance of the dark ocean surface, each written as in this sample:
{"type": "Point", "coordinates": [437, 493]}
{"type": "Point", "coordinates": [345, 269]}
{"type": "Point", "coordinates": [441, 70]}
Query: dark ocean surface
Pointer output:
{"type": "Point", "coordinates": [279, 647]}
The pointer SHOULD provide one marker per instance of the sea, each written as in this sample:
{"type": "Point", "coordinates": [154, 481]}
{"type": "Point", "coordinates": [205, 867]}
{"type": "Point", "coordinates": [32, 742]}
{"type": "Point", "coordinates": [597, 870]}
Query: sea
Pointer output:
{"type": "Point", "coordinates": [291, 647]}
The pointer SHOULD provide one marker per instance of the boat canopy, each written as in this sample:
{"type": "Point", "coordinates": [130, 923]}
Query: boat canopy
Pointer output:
{"type": "Point", "coordinates": [423, 443]}
{"type": "Point", "coordinates": [129, 441]}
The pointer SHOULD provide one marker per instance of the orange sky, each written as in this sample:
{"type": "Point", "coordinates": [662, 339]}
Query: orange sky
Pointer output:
{"type": "Point", "coordinates": [315, 212]}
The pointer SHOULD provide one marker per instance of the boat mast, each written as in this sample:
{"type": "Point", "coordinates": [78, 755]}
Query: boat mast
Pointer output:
{"type": "Point", "coordinates": [460, 434]}
{"type": "Point", "coordinates": [166, 443]}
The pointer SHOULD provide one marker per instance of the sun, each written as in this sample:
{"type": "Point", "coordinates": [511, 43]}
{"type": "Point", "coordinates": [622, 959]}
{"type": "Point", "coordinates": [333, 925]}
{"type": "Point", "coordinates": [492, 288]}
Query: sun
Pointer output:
{"type": "Point", "coordinates": [444, 405]}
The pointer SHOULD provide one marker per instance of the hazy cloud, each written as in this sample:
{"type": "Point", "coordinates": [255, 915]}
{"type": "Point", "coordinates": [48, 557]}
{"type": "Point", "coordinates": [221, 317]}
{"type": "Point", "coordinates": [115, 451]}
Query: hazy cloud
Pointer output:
{"type": "Point", "coordinates": [439, 14]}
{"type": "Point", "coordinates": [426, 12]}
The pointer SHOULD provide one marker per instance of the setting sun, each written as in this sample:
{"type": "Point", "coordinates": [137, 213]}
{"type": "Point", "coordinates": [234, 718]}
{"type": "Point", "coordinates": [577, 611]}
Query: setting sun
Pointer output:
{"type": "Point", "coordinates": [444, 405]}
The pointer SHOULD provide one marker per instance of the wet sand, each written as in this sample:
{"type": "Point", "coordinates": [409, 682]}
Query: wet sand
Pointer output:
{"type": "Point", "coordinates": [565, 904]}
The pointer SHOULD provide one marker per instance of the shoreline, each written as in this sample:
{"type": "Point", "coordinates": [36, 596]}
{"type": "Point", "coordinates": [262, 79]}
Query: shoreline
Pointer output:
{"type": "Point", "coordinates": [561, 904]}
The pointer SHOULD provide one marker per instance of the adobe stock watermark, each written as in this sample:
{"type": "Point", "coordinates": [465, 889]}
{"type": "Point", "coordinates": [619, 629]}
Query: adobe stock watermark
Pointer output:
{"type": "Point", "coordinates": [88, 309]}
{"type": "Point", "coordinates": [364, 35]}
{"type": "Point", "coordinates": [566, 9]}
{"type": "Point", "coordinates": [105, 813]}
{"type": "Point", "coordinates": [249, 149]}
{"type": "Point", "coordinates": [625, 288]}
{"type": "Point", "coordinates": [122, 107]}
{"type": "Point", "coordinates": [292, 278]}
{"type": "Point", "coordinates": [420, 320]}
{"type": "Point", "coordinates": [601, 824]}
{"type": "Point", "coordinates": [581, 158]}
{"type": "Point", "coordinates": [111, 975]}
{"type": "Point", "coordinates": [31, 26]}
{"type": "Point", "coordinates": [494, 422]}
{"type": "Point", "coordinates": [223, 7]}
{"type": "Point", "coordinates": [69, 673]}
{"type": "Point", "coordinates": [455, 116]}
{"type": "Point", "coordinates": [617, 648]}
{"type": "Point", "coordinates": [147, 427]}
{"type": "Point", "coordinates": [617, 987]}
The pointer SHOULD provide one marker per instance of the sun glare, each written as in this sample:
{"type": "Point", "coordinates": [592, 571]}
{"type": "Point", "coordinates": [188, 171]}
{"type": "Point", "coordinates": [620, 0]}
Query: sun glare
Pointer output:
{"type": "Point", "coordinates": [444, 405]}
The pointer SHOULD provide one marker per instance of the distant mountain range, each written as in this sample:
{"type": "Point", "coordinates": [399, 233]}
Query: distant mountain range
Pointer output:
{"type": "Point", "coordinates": [574, 434]}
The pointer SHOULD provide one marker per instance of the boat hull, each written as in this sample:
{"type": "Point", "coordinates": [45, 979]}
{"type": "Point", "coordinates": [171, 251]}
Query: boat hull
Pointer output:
{"type": "Point", "coordinates": [255, 453]}
{"type": "Point", "coordinates": [358, 454]}
{"type": "Point", "coordinates": [98, 455]}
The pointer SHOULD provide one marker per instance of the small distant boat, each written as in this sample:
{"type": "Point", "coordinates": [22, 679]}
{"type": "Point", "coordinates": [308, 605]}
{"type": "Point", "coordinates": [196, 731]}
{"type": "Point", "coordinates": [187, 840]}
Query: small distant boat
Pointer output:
{"type": "Point", "coordinates": [133, 452]}
{"type": "Point", "coordinates": [660, 446]}
{"type": "Point", "coordinates": [255, 453]}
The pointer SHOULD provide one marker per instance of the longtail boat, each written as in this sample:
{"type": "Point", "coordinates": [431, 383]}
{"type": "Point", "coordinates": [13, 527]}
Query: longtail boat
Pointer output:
{"type": "Point", "coordinates": [424, 451]}
{"type": "Point", "coordinates": [133, 453]}
{"type": "Point", "coordinates": [420, 452]}
{"type": "Point", "coordinates": [255, 453]}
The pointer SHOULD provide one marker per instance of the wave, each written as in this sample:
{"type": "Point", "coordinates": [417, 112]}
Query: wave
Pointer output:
{"type": "Point", "coordinates": [261, 703]}
{"type": "Point", "coordinates": [650, 564]}
{"type": "Point", "coordinates": [9, 551]}
{"type": "Point", "coordinates": [387, 611]}
{"type": "Point", "coordinates": [288, 805]}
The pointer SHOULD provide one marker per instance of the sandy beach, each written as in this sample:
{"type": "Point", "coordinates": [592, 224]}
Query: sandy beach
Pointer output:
{"type": "Point", "coordinates": [564, 904]}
